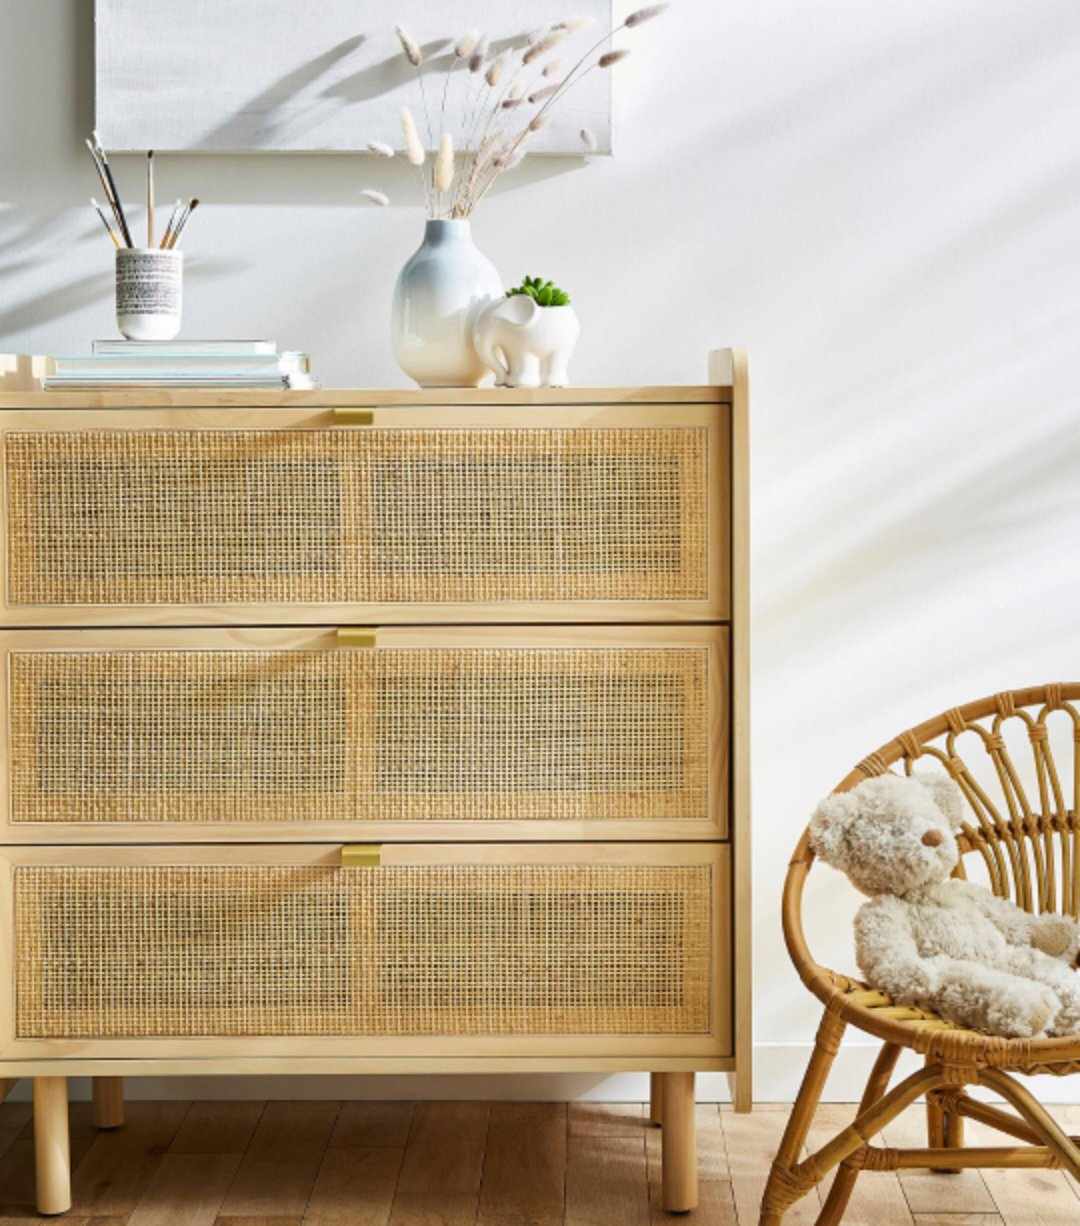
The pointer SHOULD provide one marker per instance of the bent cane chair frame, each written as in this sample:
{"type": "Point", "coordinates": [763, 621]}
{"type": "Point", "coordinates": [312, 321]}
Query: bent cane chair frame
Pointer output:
{"type": "Point", "coordinates": [1026, 838]}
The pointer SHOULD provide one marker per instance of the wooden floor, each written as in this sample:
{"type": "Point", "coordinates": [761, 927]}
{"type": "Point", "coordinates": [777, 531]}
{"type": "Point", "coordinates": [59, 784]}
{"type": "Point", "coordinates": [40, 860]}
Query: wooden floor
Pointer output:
{"type": "Point", "coordinates": [492, 1164]}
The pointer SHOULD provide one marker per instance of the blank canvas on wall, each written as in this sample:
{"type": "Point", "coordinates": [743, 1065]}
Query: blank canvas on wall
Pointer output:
{"type": "Point", "coordinates": [248, 76]}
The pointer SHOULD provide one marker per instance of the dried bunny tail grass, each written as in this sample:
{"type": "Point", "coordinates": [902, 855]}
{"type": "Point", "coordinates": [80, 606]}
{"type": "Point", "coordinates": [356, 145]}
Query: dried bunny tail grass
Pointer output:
{"type": "Point", "coordinates": [444, 163]}
{"type": "Point", "coordinates": [379, 198]}
{"type": "Point", "coordinates": [515, 95]}
{"type": "Point", "coordinates": [466, 44]}
{"type": "Point", "coordinates": [479, 55]}
{"type": "Point", "coordinates": [588, 139]}
{"type": "Point", "coordinates": [540, 94]}
{"type": "Point", "coordinates": [496, 69]}
{"type": "Point", "coordinates": [381, 148]}
{"type": "Point", "coordinates": [409, 46]}
{"type": "Point", "coordinates": [535, 50]}
{"type": "Point", "coordinates": [508, 104]}
{"type": "Point", "coordinates": [414, 146]}
{"type": "Point", "coordinates": [611, 57]}
{"type": "Point", "coordinates": [572, 24]}
{"type": "Point", "coordinates": [552, 68]}
{"type": "Point", "coordinates": [537, 122]}
{"type": "Point", "coordinates": [515, 158]}
{"type": "Point", "coordinates": [641, 16]}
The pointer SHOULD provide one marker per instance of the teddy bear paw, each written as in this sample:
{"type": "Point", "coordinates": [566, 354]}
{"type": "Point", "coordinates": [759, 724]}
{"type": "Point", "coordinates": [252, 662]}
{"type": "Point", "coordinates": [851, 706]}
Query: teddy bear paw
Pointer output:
{"type": "Point", "coordinates": [1054, 935]}
{"type": "Point", "coordinates": [1024, 1013]}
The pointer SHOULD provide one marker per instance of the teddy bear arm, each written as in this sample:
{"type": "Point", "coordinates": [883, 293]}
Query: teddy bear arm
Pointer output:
{"type": "Point", "coordinates": [1056, 935]}
{"type": "Point", "coordinates": [888, 955]}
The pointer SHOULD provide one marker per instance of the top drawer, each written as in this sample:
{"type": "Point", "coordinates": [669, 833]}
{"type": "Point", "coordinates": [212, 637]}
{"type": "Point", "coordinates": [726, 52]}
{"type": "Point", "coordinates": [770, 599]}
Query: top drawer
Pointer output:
{"type": "Point", "coordinates": [420, 515]}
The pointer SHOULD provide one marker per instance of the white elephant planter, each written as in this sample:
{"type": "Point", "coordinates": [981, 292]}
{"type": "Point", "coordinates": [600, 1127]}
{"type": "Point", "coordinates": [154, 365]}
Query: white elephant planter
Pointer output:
{"type": "Point", "coordinates": [525, 344]}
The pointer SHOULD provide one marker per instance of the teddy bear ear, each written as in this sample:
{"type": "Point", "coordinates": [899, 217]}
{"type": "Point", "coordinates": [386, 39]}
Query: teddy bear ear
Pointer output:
{"type": "Point", "coordinates": [947, 796]}
{"type": "Point", "coordinates": [829, 825]}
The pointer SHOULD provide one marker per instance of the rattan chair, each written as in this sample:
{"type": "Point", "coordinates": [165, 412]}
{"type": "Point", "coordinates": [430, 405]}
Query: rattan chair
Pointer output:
{"type": "Point", "coordinates": [1024, 829]}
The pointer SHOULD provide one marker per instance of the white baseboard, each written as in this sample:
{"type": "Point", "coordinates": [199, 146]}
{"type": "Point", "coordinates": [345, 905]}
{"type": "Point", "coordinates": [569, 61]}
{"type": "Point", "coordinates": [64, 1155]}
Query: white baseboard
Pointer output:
{"type": "Point", "coordinates": [778, 1070]}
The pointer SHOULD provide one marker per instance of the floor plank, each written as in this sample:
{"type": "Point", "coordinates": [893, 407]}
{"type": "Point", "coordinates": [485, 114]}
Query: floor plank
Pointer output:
{"type": "Point", "coordinates": [711, 1146]}
{"type": "Point", "coordinates": [17, 1162]}
{"type": "Point", "coordinates": [278, 1172]}
{"type": "Point", "coordinates": [364, 1125]}
{"type": "Point", "coordinates": [218, 1128]}
{"type": "Point", "coordinates": [752, 1141]}
{"type": "Point", "coordinates": [957, 1219]}
{"type": "Point", "coordinates": [440, 1176]}
{"type": "Point", "coordinates": [1026, 1198]}
{"type": "Point", "coordinates": [120, 1164]}
{"type": "Point", "coordinates": [606, 1181]}
{"type": "Point", "coordinates": [716, 1206]}
{"type": "Point", "coordinates": [354, 1186]}
{"type": "Point", "coordinates": [186, 1190]}
{"type": "Point", "coordinates": [257, 1220]}
{"type": "Point", "coordinates": [524, 1173]}
{"type": "Point", "coordinates": [964, 1192]}
{"type": "Point", "coordinates": [607, 1119]}
{"type": "Point", "coordinates": [877, 1198]}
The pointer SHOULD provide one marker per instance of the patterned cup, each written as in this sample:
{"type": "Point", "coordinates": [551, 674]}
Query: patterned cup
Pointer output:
{"type": "Point", "coordinates": [149, 293]}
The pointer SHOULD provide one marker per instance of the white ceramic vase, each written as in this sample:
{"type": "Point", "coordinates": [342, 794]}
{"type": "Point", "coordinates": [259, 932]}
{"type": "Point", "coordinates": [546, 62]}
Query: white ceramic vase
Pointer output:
{"type": "Point", "coordinates": [438, 295]}
{"type": "Point", "coordinates": [525, 344]}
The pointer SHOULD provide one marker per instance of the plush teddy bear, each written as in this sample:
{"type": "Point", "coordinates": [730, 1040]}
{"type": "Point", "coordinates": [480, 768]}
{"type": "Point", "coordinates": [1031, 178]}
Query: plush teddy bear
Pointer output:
{"type": "Point", "coordinates": [928, 939]}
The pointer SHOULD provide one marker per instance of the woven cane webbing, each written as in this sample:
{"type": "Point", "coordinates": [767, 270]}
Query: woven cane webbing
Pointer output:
{"type": "Point", "coordinates": [159, 517]}
{"type": "Point", "coordinates": [419, 950]}
{"type": "Point", "coordinates": [402, 734]}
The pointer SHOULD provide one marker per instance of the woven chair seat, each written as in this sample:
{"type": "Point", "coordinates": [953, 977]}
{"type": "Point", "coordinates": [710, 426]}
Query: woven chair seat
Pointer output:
{"type": "Point", "coordinates": [932, 1035]}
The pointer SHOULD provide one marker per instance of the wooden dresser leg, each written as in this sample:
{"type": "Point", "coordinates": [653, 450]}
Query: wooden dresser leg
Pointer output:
{"type": "Point", "coordinates": [109, 1102]}
{"type": "Point", "coordinates": [656, 1098]}
{"type": "Point", "coordinates": [679, 1143]}
{"type": "Point", "coordinates": [7, 1084]}
{"type": "Point", "coordinates": [52, 1156]}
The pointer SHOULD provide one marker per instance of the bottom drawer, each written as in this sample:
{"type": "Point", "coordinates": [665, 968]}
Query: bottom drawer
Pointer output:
{"type": "Point", "coordinates": [481, 949]}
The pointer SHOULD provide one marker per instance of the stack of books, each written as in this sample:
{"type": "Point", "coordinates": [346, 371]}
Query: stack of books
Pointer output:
{"type": "Point", "coordinates": [254, 365]}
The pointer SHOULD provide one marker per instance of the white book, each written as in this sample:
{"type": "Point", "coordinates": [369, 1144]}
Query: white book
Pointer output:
{"type": "Point", "coordinates": [193, 348]}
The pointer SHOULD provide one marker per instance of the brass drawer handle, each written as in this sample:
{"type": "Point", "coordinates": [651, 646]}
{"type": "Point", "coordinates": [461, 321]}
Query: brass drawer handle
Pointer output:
{"type": "Point", "coordinates": [356, 636]}
{"type": "Point", "coordinates": [361, 855]}
{"type": "Point", "coordinates": [353, 417]}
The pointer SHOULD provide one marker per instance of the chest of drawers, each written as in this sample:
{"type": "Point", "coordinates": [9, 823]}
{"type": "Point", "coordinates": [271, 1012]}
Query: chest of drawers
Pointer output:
{"type": "Point", "coordinates": [375, 732]}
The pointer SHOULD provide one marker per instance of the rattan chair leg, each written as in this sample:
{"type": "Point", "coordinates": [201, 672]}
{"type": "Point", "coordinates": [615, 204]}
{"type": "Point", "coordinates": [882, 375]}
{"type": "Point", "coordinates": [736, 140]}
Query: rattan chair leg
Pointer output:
{"type": "Point", "coordinates": [108, 1102]}
{"type": "Point", "coordinates": [52, 1153]}
{"type": "Point", "coordinates": [844, 1183]}
{"type": "Point", "coordinates": [944, 1126]}
{"type": "Point", "coordinates": [656, 1098]}
{"type": "Point", "coordinates": [779, 1194]}
{"type": "Point", "coordinates": [1036, 1115]}
{"type": "Point", "coordinates": [679, 1143]}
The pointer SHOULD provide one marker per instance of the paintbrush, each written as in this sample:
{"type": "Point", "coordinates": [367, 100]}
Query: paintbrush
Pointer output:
{"type": "Point", "coordinates": [183, 221]}
{"type": "Point", "coordinates": [105, 222]}
{"type": "Point", "coordinates": [116, 201]}
{"type": "Point", "coordinates": [150, 198]}
{"type": "Point", "coordinates": [166, 238]}
{"type": "Point", "coordinates": [104, 182]}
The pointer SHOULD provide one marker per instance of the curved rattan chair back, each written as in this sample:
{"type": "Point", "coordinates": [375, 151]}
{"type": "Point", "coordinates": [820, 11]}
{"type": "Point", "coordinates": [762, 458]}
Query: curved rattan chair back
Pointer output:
{"type": "Point", "coordinates": [1016, 756]}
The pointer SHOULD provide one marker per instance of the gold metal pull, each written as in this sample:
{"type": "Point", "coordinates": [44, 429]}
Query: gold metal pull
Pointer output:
{"type": "Point", "coordinates": [356, 636]}
{"type": "Point", "coordinates": [354, 417]}
{"type": "Point", "coordinates": [361, 855]}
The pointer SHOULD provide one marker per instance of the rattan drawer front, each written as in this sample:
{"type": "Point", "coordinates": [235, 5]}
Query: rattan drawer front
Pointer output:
{"type": "Point", "coordinates": [276, 944]}
{"type": "Point", "coordinates": [278, 516]}
{"type": "Point", "coordinates": [470, 732]}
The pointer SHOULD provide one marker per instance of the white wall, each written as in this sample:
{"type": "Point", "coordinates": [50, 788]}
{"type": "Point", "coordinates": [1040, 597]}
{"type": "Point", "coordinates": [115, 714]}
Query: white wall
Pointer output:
{"type": "Point", "coordinates": [882, 201]}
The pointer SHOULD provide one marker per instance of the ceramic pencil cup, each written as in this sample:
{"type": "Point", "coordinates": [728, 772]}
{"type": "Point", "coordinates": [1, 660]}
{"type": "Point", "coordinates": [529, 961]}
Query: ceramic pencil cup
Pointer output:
{"type": "Point", "coordinates": [149, 293]}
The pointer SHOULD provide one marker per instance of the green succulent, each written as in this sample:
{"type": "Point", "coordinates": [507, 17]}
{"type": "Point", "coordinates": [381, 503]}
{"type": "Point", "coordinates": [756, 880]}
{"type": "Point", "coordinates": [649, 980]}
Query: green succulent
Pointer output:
{"type": "Point", "coordinates": [543, 293]}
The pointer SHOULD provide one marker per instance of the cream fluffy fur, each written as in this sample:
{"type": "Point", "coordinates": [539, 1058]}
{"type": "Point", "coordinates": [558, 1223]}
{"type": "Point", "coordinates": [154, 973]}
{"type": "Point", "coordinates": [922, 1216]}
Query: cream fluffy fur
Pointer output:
{"type": "Point", "coordinates": [931, 940]}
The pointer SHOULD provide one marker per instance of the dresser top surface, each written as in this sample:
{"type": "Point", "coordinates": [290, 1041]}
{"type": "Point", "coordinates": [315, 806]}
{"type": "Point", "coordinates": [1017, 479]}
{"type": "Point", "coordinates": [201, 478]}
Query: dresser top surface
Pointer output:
{"type": "Point", "coordinates": [164, 398]}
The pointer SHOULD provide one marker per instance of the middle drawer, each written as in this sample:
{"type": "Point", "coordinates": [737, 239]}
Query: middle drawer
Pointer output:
{"type": "Point", "coordinates": [405, 733]}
